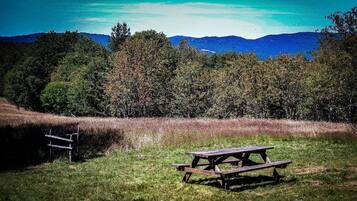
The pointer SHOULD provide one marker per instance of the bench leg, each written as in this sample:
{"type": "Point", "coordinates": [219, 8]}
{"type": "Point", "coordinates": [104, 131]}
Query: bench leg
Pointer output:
{"type": "Point", "coordinates": [276, 175]}
{"type": "Point", "coordinates": [245, 159]}
{"type": "Point", "coordinates": [187, 175]}
{"type": "Point", "coordinates": [223, 183]}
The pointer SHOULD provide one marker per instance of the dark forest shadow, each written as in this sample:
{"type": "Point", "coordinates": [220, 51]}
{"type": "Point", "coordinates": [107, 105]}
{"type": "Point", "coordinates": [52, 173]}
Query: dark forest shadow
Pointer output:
{"type": "Point", "coordinates": [26, 145]}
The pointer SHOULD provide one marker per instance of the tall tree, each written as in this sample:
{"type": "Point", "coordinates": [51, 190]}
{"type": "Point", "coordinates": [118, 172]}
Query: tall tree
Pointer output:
{"type": "Point", "coordinates": [288, 83]}
{"type": "Point", "coordinates": [137, 84]}
{"type": "Point", "coordinates": [190, 89]}
{"type": "Point", "coordinates": [86, 89]}
{"type": "Point", "coordinates": [120, 33]}
{"type": "Point", "coordinates": [258, 88]}
{"type": "Point", "coordinates": [83, 71]}
{"type": "Point", "coordinates": [227, 80]}
{"type": "Point", "coordinates": [342, 34]}
{"type": "Point", "coordinates": [338, 54]}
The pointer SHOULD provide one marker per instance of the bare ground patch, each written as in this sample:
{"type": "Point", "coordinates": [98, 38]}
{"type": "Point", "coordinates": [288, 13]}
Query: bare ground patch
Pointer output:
{"type": "Point", "coordinates": [310, 170]}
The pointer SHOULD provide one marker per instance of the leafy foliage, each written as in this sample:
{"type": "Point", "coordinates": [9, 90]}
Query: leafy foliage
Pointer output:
{"type": "Point", "coordinates": [86, 92]}
{"type": "Point", "coordinates": [137, 84]}
{"type": "Point", "coordinates": [11, 55]}
{"type": "Point", "coordinates": [31, 76]}
{"type": "Point", "coordinates": [54, 97]}
{"type": "Point", "coordinates": [84, 71]}
{"type": "Point", "coordinates": [190, 90]}
{"type": "Point", "coordinates": [120, 33]}
{"type": "Point", "coordinates": [338, 56]}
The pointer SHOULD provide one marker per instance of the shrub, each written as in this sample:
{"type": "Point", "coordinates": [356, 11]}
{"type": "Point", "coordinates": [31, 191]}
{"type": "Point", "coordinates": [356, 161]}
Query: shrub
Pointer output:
{"type": "Point", "coordinates": [54, 97]}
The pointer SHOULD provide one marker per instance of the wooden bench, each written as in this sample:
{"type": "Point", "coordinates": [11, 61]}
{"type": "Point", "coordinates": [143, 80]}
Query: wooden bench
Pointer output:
{"type": "Point", "coordinates": [241, 154]}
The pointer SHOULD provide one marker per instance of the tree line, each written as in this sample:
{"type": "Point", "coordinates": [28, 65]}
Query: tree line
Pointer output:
{"type": "Point", "coordinates": [143, 75]}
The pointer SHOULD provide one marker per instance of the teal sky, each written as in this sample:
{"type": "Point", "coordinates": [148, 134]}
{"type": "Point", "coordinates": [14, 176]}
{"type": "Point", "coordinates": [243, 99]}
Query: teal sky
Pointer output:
{"type": "Point", "coordinates": [246, 18]}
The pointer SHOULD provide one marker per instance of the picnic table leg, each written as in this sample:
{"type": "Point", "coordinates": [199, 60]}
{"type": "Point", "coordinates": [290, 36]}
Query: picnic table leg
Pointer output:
{"type": "Point", "coordinates": [223, 182]}
{"type": "Point", "coordinates": [245, 159]}
{"type": "Point", "coordinates": [211, 164]}
{"type": "Point", "coordinates": [267, 160]}
{"type": "Point", "coordinates": [217, 161]}
{"type": "Point", "coordinates": [265, 157]}
{"type": "Point", "coordinates": [187, 175]}
{"type": "Point", "coordinates": [276, 175]}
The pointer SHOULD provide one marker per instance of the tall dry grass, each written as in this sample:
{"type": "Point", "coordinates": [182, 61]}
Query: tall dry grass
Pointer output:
{"type": "Point", "coordinates": [138, 132]}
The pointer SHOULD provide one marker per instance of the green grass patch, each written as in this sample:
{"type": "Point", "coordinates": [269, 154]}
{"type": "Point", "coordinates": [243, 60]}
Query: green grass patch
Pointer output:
{"type": "Point", "coordinates": [322, 169]}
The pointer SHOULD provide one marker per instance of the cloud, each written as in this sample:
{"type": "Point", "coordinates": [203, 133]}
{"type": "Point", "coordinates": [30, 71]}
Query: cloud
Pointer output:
{"type": "Point", "coordinates": [194, 19]}
{"type": "Point", "coordinates": [93, 19]}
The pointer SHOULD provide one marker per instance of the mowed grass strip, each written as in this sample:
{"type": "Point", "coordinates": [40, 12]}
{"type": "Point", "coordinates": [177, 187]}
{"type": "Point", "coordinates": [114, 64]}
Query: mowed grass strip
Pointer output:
{"type": "Point", "coordinates": [322, 169]}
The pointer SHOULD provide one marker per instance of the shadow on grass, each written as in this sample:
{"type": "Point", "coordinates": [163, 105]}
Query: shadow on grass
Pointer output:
{"type": "Point", "coordinates": [242, 183]}
{"type": "Point", "coordinates": [81, 159]}
{"type": "Point", "coordinates": [26, 145]}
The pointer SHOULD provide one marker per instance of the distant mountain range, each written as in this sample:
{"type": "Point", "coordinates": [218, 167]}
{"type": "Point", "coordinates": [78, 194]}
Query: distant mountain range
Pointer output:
{"type": "Point", "coordinates": [264, 47]}
{"type": "Point", "coordinates": [99, 38]}
{"type": "Point", "coordinates": [270, 45]}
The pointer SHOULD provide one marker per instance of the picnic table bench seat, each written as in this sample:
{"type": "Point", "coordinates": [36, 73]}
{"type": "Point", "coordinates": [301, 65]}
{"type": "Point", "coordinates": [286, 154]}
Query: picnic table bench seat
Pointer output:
{"type": "Point", "coordinates": [234, 171]}
{"type": "Point", "coordinates": [276, 164]}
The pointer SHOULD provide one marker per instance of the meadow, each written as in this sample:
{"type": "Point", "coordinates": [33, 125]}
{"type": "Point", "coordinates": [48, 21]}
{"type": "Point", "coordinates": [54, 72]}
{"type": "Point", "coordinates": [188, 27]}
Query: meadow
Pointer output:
{"type": "Point", "coordinates": [137, 166]}
{"type": "Point", "coordinates": [322, 169]}
{"type": "Point", "coordinates": [140, 132]}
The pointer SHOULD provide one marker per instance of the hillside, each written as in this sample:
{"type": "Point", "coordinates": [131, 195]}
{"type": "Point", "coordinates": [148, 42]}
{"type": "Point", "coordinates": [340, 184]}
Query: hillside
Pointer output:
{"type": "Point", "coordinates": [142, 131]}
{"type": "Point", "coordinates": [264, 47]}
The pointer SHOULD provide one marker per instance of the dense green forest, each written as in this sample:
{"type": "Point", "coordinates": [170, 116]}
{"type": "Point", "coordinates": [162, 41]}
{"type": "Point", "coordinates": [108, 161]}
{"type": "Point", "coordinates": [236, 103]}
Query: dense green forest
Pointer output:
{"type": "Point", "coordinates": [143, 75]}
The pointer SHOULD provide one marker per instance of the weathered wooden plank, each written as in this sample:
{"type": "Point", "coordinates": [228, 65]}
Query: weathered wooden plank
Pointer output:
{"type": "Point", "coordinates": [199, 171]}
{"type": "Point", "coordinates": [179, 166]}
{"type": "Point", "coordinates": [229, 151]}
{"type": "Point", "coordinates": [59, 146]}
{"type": "Point", "coordinates": [72, 134]}
{"type": "Point", "coordinates": [59, 138]}
{"type": "Point", "coordinates": [278, 164]}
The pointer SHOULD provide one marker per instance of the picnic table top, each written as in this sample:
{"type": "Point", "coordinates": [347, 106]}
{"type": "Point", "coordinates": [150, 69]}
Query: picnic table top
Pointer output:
{"type": "Point", "coordinates": [229, 151]}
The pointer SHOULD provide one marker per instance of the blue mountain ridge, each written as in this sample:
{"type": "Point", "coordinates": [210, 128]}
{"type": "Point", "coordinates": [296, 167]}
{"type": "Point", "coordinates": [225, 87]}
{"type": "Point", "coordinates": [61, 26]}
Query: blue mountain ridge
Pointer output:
{"type": "Point", "coordinates": [264, 47]}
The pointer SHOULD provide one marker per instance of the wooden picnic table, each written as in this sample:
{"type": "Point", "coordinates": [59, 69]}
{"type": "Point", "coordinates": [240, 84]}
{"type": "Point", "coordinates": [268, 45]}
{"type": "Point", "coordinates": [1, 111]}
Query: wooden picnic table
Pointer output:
{"type": "Point", "coordinates": [241, 161]}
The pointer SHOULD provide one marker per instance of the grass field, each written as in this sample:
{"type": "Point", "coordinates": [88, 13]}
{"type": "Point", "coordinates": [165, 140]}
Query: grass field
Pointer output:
{"type": "Point", "coordinates": [324, 159]}
{"type": "Point", "coordinates": [322, 169]}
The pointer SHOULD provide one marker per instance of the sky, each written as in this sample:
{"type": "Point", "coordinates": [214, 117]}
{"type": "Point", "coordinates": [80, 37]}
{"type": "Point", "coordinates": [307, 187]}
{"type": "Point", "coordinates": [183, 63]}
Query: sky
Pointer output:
{"type": "Point", "coordinates": [246, 18]}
